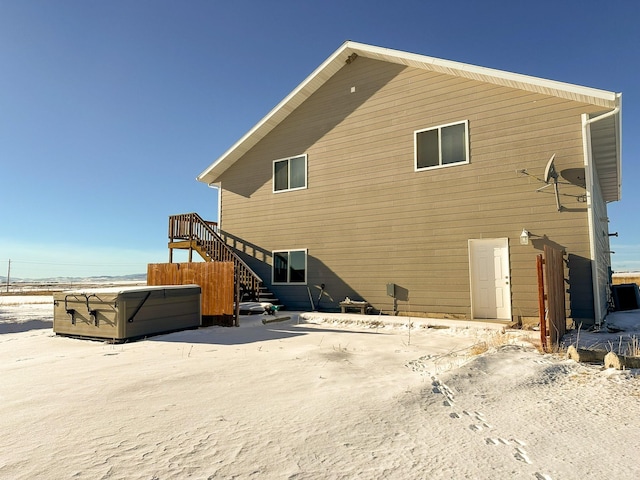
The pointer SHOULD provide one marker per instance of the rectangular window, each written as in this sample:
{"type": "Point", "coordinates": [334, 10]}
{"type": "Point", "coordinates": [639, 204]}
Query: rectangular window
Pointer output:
{"type": "Point", "coordinates": [290, 266]}
{"type": "Point", "coordinates": [442, 146]}
{"type": "Point", "coordinates": [290, 174]}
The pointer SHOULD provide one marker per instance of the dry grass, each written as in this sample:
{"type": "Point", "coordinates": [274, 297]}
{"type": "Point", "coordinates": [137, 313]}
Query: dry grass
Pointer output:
{"type": "Point", "coordinates": [491, 342]}
{"type": "Point", "coordinates": [479, 348]}
{"type": "Point", "coordinates": [628, 346]}
{"type": "Point", "coordinates": [558, 349]}
{"type": "Point", "coordinates": [633, 349]}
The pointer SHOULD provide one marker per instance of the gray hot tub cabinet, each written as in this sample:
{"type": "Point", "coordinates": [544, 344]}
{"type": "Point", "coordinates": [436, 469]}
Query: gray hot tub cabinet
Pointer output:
{"type": "Point", "coordinates": [122, 313]}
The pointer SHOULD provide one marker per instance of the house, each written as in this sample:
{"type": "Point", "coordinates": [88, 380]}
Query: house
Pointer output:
{"type": "Point", "coordinates": [386, 173]}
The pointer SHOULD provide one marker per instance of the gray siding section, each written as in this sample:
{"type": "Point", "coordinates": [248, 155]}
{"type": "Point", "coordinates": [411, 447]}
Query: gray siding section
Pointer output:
{"type": "Point", "coordinates": [602, 246]}
{"type": "Point", "coordinates": [367, 218]}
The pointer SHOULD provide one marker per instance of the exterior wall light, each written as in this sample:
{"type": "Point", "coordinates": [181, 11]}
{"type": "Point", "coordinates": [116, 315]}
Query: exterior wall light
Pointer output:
{"type": "Point", "coordinates": [524, 237]}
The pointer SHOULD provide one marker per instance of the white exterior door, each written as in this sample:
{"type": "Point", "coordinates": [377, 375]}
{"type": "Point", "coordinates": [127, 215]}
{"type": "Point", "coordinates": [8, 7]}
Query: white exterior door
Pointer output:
{"type": "Point", "coordinates": [490, 278]}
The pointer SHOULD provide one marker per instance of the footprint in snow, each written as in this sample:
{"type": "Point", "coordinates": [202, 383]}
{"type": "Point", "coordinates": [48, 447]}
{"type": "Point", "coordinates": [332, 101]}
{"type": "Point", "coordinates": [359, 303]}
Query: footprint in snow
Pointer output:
{"type": "Point", "coordinates": [542, 476]}
{"type": "Point", "coordinates": [522, 456]}
{"type": "Point", "coordinates": [543, 361]}
{"type": "Point", "coordinates": [497, 441]}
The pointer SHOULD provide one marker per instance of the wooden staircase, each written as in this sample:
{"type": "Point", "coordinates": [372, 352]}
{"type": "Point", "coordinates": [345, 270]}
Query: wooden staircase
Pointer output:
{"type": "Point", "coordinates": [189, 231]}
{"type": "Point", "coordinates": [264, 295]}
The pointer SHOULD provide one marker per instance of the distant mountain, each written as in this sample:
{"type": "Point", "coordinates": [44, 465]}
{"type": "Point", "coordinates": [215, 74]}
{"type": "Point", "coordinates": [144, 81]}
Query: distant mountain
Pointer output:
{"type": "Point", "coordinates": [135, 277]}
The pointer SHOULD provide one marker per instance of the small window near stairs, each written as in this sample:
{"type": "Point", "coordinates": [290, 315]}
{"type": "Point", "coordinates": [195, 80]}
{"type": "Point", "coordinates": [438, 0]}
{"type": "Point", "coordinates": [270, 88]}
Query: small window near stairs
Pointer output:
{"type": "Point", "coordinates": [289, 266]}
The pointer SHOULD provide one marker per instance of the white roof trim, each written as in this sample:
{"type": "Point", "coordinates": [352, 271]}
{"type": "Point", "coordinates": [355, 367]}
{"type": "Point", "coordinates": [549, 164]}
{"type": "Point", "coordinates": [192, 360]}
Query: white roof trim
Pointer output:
{"type": "Point", "coordinates": [485, 74]}
{"type": "Point", "coordinates": [336, 61]}
{"type": "Point", "coordinates": [303, 91]}
{"type": "Point", "coordinates": [606, 146]}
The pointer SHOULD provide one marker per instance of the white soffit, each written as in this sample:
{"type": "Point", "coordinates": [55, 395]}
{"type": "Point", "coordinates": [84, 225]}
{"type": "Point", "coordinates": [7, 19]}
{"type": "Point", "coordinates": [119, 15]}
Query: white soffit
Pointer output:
{"type": "Point", "coordinates": [605, 151]}
{"type": "Point", "coordinates": [338, 59]}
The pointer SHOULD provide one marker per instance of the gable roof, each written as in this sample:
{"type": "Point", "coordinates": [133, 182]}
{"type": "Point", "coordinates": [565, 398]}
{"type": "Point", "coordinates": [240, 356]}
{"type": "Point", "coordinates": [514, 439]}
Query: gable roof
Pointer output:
{"type": "Point", "coordinates": [344, 54]}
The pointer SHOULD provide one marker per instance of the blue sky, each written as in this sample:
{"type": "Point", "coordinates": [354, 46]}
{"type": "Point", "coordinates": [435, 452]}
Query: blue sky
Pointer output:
{"type": "Point", "coordinates": [110, 109]}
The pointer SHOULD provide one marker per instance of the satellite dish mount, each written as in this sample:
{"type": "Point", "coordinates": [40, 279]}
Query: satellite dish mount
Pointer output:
{"type": "Point", "coordinates": [551, 175]}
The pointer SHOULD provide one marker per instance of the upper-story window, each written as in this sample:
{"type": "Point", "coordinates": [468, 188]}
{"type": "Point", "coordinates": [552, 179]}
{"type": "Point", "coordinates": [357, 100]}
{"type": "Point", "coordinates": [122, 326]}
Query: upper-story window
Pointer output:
{"type": "Point", "coordinates": [290, 174]}
{"type": "Point", "coordinates": [442, 146]}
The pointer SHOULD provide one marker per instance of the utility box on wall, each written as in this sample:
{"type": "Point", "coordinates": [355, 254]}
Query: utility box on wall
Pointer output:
{"type": "Point", "coordinates": [391, 290]}
{"type": "Point", "coordinates": [122, 313]}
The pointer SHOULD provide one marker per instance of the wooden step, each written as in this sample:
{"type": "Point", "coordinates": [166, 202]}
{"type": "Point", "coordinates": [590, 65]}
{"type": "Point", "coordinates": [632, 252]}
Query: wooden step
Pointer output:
{"type": "Point", "coordinates": [264, 295]}
{"type": "Point", "coordinates": [269, 298]}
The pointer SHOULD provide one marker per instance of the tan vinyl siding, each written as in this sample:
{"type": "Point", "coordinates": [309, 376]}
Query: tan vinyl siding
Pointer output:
{"type": "Point", "coordinates": [367, 218]}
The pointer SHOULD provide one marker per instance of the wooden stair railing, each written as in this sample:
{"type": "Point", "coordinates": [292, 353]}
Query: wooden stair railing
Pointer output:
{"type": "Point", "coordinates": [201, 236]}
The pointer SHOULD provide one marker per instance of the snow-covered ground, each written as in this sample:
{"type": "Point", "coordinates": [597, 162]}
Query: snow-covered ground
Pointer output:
{"type": "Point", "coordinates": [312, 397]}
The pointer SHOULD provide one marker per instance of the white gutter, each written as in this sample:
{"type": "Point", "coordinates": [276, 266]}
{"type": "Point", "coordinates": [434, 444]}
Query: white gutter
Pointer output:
{"type": "Point", "coordinates": [604, 115]}
{"type": "Point", "coordinates": [218, 188]}
{"type": "Point", "coordinates": [588, 164]}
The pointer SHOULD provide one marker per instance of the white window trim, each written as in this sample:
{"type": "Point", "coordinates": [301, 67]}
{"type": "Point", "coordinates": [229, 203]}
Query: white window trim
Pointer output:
{"type": "Point", "coordinates": [288, 282]}
{"type": "Point", "coordinates": [440, 127]}
{"type": "Point", "coordinates": [273, 173]}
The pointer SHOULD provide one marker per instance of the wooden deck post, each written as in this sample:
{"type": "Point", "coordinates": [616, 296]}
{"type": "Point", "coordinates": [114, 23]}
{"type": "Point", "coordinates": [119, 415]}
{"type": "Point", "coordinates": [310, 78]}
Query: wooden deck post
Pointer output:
{"type": "Point", "coordinates": [236, 319]}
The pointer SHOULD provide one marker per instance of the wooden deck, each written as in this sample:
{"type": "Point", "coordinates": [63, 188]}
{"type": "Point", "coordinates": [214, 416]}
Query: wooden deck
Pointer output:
{"type": "Point", "coordinates": [189, 231]}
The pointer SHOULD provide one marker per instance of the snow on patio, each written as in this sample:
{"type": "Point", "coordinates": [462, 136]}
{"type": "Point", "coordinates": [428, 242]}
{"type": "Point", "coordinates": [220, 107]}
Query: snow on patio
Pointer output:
{"type": "Point", "coordinates": [315, 396]}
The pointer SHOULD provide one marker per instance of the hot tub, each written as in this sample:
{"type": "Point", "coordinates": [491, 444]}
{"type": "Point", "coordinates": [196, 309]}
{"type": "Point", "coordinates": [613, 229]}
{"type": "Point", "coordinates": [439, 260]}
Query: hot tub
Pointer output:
{"type": "Point", "coordinates": [122, 313]}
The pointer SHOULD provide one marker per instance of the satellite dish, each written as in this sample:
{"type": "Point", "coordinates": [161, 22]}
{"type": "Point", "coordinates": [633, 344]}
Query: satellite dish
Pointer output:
{"type": "Point", "coordinates": [550, 171]}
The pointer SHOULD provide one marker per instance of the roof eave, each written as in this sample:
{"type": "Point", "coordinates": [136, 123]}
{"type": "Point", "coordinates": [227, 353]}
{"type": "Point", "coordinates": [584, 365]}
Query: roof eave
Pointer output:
{"type": "Point", "coordinates": [606, 147]}
{"type": "Point", "coordinates": [500, 77]}
{"type": "Point", "coordinates": [337, 60]}
{"type": "Point", "coordinates": [303, 91]}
